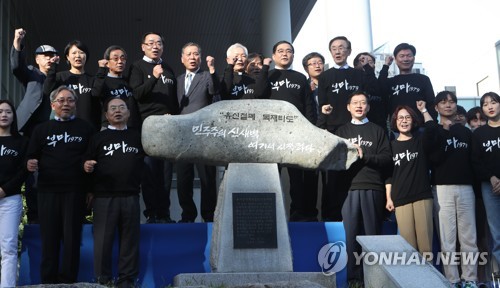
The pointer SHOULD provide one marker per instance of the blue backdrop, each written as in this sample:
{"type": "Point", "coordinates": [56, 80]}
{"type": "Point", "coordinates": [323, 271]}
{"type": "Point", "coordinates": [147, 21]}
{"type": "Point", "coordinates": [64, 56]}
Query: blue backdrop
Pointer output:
{"type": "Point", "coordinates": [170, 249]}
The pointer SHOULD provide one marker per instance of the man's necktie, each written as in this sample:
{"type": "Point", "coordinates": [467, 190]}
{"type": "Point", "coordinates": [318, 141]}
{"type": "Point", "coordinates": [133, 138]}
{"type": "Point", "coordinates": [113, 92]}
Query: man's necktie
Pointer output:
{"type": "Point", "coordinates": [189, 78]}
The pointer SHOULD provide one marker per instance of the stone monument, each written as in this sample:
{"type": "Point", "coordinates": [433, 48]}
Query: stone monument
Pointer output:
{"type": "Point", "coordinates": [250, 240]}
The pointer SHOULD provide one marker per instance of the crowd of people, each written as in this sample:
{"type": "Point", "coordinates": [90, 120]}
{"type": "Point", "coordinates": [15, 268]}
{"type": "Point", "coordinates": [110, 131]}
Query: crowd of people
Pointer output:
{"type": "Point", "coordinates": [74, 141]}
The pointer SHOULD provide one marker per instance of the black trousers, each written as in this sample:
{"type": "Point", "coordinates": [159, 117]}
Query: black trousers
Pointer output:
{"type": "Point", "coordinates": [363, 214]}
{"type": "Point", "coordinates": [31, 195]}
{"type": "Point", "coordinates": [155, 185]}
{"type": "Point", "coordinates": [60, 216]}
{"type": "Point", "coordinates": [335, 190]}
{"type": "Point", "coordinates": [112, 215]}
{"type": "Point", "coordinates": [185, 178]}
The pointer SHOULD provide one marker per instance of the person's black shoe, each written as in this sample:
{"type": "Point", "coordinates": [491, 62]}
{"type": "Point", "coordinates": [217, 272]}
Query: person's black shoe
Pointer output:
{"type": "Point", "coordinates": [164, 220]}
{"type": "Point", "coordinates": [151, 220]}
{"type": "Point", "coordinates": [185, 221]}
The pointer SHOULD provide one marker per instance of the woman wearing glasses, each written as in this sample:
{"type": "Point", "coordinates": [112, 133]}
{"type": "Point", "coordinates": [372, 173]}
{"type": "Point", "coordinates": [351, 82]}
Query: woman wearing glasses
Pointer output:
{"type": "Point", "coordinates": [77, 54]}
{"type": "Point", "coordinates": [409, 189]}
{"type": "Point", "coordinates": [12, 176]}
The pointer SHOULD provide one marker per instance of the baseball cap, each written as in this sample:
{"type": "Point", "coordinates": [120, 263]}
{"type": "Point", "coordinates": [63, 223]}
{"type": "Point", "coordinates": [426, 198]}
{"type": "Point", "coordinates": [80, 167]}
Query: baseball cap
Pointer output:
{"type": "Point", "coordinates": [45, 49]}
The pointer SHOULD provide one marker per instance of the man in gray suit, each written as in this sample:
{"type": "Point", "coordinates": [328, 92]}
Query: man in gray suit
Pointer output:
{"type": "Point", "coordinates": [196, 89]}
{"type": "Point", "coordinates": [34, 107]}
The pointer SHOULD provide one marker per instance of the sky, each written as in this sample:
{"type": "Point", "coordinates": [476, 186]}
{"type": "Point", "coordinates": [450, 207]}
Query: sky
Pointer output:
{"type": "Point", "coordinates": [455, 40]}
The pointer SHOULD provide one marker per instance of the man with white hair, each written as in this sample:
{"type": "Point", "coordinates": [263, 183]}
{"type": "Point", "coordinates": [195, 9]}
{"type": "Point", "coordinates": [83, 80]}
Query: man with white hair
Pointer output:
{"type": "Point", "coordinates": [236, 83]}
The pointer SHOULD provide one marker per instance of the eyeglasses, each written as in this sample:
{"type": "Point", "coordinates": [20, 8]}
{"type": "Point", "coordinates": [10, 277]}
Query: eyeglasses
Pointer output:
{"type": "Point", "coordinates": [151, 44]}
{"type": "Point", "coordinates": [340, 49]}
{"type": "Point", "coordinates": [401, 118]}
{"type": "Point", "coordinates": [116, 59]}
{"type": "Point", "coordinates": [120, 108]}
{"type": "Point", "coordinates": [61, 101]}
{"type": "Point", "coordinates": [315, 64]}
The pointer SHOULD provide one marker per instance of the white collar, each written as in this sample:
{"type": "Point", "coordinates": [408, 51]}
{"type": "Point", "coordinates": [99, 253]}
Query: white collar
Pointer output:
{"type": "Point", "coordinates": [190, 72]}
{"type": "Point", "coordinates": [345, 66]}
{"type": "Point", "coordinates": [111, 127]}
{"type": "Point", "coordinates": [149, 60]}
{"type": "Point", "coordinates": [357, 122]}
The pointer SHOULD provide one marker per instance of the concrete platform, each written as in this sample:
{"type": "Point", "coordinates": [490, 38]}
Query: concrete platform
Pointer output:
{"type": "Point", "coordinates": [235, 279]}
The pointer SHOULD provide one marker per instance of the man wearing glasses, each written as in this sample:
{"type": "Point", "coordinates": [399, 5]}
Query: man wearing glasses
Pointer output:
{"type": "Point", "coordinates": [154, 86]}
{"type": "Point", "coordinates": [334, 87]}
{"type": "Point", "coordinates": [55, 151]}
{"type": "Point", "coordinates": [115, 160]}
{"type": "Point", "coordinates": [109, 83]}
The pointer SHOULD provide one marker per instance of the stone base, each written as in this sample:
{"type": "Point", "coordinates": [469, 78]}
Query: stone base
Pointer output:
{"type": "Point", "coordinates": [271, 279]}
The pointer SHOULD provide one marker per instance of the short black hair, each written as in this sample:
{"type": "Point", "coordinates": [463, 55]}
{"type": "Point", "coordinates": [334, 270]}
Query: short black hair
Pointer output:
{"type": "Point", "coordinates": [492, 95]}
{"type": "Point", "coordinates": [149, 33]}
{"type": "Point", "coordinates": [78, 44]}
{"type": "Point", "coordinates": [111, 49]}
{"type": "Point", "coordinates": [339, 38]}
{"type": "Point", "coordinates": [358, 92]}
{"type": "Point", "coordinates": [106, 103]}
{"type": "Point", "coordinates": [461, 110]}
{"type": "Point", "coordinates": [355, 62]}
{"type": "Point", "coordinates": [404, 46]}
{"type": "Point", "coordinates": [13, 127]}
{"type": "Point", "coordinates": [282, 42]}
{"type": "Point", "coordinates": [310, 56]}
{"type": "Point", "coordinates": [472, 114]}
{"type": "Point", "coordinates": [443, 95]}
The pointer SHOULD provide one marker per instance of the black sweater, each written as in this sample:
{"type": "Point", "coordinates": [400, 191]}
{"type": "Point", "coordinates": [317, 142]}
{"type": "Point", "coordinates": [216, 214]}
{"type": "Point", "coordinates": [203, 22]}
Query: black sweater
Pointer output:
{"type": "Point", "coordinates": [59, 147]}
{"type": "Point", "coordinates": [486, 152]}
{"type": "Point", "coordinates": [242, 86]}
{"type": "Point", "coordinates": [454, 167]}
{"type": "Point", "coordinates": [292, 86]}
{"type": "Point", "coordinates": [116, 87]}
{"type": "Point", "coordinates": [370, 171]}
{"type": "Point", "coordinates": [88, 107]}
{"type": "Point", "coordinates": [410, 177]}
{"type": "Point", "coordinates": [407, 89]}
{"type": "Point", "coordinates": [154, 96]}
{"type": "Point", "coordinates": [12, 163]}
{"type": "Point", "coordinates": [334, 87]}
{"type": "Point", "coordinates": [119, 157]}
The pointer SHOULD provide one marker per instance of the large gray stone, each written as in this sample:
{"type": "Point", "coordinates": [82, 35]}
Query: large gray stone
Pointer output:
{"type": "Point", "coordinates": [408, 271]}
{"type": "Point", "coordinates": [246, 131]}
{"type": "Point", "coordinates": [249, 178]}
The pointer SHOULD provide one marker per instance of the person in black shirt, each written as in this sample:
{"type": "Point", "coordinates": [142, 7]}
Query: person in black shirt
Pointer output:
{"type": "Point", "coordinates": [292, 86]}
{"type": "Point", "coordinates": [314, 64]}
{"type": "Point", "coordinates": [378, 103]}
{"type": "Point", "coordinates": [363, 209]}
{"type": "Point", "coordinates": [55, 151]}
{"type": "Point", "coordinates": [407, 87]}
{"type": "Point", "coordinates": [454, 198]}
{"type": "Point", "coordinates": [12, 175]}
{"type": "Point", "coordinates": [475, 118]}
{"type": "Point", "coordinates": [109, 83]}
{"type": "Point", "coordinates": [77, 54]}
{"type": "Point", "coordinates": [486, 164]}
{"type": "Point", "coordinates": [334, 87]}
{"type": "Point", "coordinates": [409, 189]}
{"type": "Point", "coordinates": [115, 160]}
{"type": "Point", "coordinates": [154, 87]}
